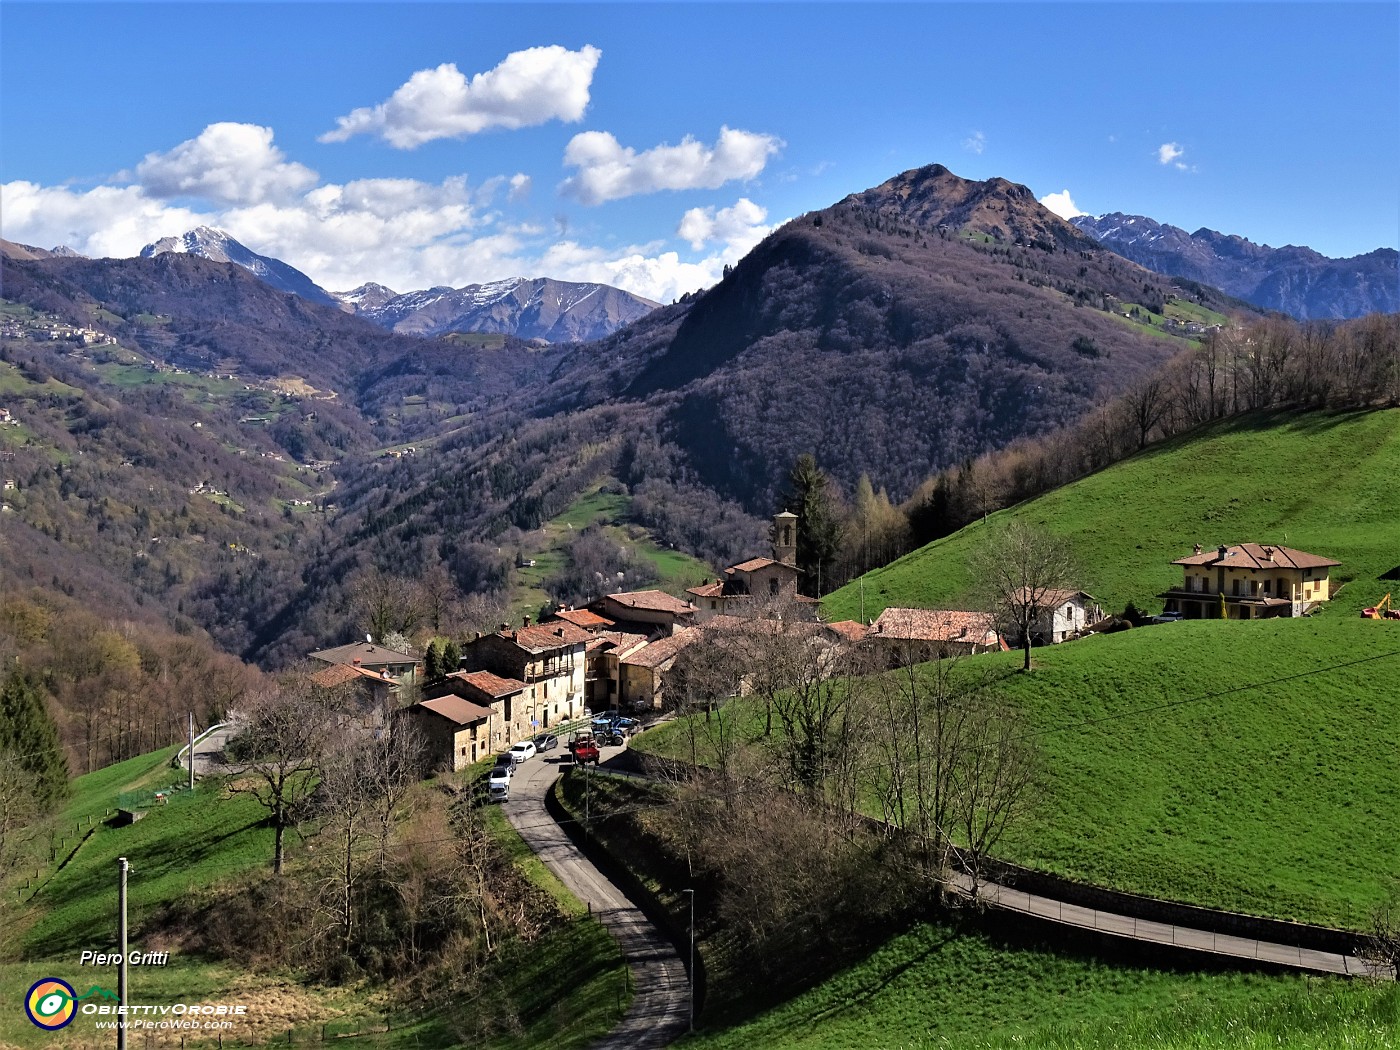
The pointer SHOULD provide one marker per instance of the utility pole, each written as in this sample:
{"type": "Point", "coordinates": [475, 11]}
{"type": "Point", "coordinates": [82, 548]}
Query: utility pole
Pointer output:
{"type": "Point", "coordinates": [121, 966]}
{"type": "Point", "coordinates": [191, 750]}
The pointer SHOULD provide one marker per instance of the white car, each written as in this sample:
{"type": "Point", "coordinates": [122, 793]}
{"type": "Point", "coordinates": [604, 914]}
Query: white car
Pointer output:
{"type": "Point", "coordinates": [523, 750]}
{"type": "Point", "coordinates": [499, 776]}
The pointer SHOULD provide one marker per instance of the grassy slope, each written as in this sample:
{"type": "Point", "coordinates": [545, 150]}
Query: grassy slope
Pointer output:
{"type": "Point", "coordinates": [1321, 482]}
{"type": "Point", "coordinates": [1175, 778]}
{"type": "Point", "coordinates": [547, 548]}
{"type": "Point", "coordinates": [927, 988]}
{"type": "Point", "coordinates": [200, 840]}
{"type": "Point", "coordinates": [1279, 800]}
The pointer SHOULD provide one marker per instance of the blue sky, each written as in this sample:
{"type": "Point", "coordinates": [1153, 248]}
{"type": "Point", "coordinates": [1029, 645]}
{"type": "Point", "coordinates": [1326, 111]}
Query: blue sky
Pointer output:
{"type": "Point", "coordinates": [648, 144]}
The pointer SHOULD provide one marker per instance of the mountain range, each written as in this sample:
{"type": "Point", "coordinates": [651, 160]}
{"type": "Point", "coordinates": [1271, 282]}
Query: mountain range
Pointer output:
{"type": "Point", "coordinates": [542, 309]}
{"type": "Point", "coordinates": [904, 329]}
{"type": "Point", "coordinates": [1293, 280]}
{"type": "Point", "coordinates": [539, 309]}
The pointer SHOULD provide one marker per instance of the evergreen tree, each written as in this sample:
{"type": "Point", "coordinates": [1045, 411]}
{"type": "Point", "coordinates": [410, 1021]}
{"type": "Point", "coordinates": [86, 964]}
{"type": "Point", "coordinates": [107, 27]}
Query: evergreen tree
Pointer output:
{"type": "Point", "coordinates": [818, 527]}
{"type": "Point", "coordinates": [451, 657]}
{"type": "Point", "coordinates": [30, 735]}
{"type": "Point", "coordinates": [432, 661]}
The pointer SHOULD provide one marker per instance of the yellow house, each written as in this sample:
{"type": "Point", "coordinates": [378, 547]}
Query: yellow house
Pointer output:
{"type": "Point", "coordinates": [1249, 581]}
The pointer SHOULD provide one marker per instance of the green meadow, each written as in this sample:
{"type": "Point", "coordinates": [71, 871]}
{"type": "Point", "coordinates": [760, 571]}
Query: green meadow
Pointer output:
{"type": "Point", "coordinates": [569, 986]}
{"type": "Point", "coordinates": [933, 989]}
{"type": "Point", "coordinates": [1327, 483]}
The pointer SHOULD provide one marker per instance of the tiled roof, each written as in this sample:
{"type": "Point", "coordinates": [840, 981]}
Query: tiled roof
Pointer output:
{"type": "Point", "coordinates": [340, 674]}
{"type": "Point", "coordinates": [368, 655]}
{"type": "Point", "coordinates": [1258, 556]}
{"type": "Point", "coordinates": [488, 683]}
{"type": "Point", "coordinates": [622, 641]}
{"type": "Point", "coordinates": [758, 625]}
{"type": "Point", "coordinates": [658, 652]}
{"type": "Point", "coordinates": [934, 625]}
{"type": "Point", "coordinates": [557, 634]}
{"type": "Point", "coordinates": [589, 621]}
{"type": "Point", "coordinates": [1050, 596]}
{"type": "Point", "coordinates": [654, 601]}
{"type": "Point", "coordinates": [707, 590]}
{"type": "Point", "coordinates": [334, 675]}
{"type": "Point", "coordinates": [753, 564]}
{"type": "Point", "coordinates": [850, 630]}
{"type": "Point", "coordinates": [455, 709]}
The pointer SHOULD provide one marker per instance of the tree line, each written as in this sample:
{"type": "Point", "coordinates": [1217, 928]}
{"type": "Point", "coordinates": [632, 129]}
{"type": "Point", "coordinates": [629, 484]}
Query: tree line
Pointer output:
{"type": "Point", "coordinates": [1272, 364]}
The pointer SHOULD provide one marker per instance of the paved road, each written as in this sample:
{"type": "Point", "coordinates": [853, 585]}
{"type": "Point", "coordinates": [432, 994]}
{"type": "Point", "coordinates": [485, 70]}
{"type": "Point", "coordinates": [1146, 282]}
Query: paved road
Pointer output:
{"type": "Point", "coordinates": [208, 753]}
{"type": "Point", "coordinates": [1177, 936]}
{"type": "Point", "coordinates": [660, 1007]}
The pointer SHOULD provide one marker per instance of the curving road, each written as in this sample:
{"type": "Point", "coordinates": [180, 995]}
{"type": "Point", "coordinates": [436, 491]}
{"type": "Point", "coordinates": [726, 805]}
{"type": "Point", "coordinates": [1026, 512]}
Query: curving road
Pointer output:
{"type": "Point", "coordinates": [660, 1007]}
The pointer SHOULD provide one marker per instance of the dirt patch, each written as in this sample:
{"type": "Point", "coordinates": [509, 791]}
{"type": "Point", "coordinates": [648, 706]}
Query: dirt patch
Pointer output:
{"type": "Point", "coordinates": [293, 386]}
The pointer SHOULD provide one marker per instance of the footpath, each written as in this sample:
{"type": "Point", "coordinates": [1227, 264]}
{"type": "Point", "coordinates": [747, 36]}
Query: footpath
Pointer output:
{"type": "Point", "coordinates": [1145, 930]}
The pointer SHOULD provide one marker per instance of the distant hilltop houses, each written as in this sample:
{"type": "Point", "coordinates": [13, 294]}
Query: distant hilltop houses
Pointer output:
{"type": "Point", "coordinates": [44, 328]}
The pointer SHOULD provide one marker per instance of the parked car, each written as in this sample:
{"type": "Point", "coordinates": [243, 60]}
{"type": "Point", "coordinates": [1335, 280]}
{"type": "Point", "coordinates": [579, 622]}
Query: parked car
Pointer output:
{"type": "Point", "coordinates": [523, 750]}
{"type": "Point", "coordinates": [505, 760]}
{"type": "Point", "coordinates": [546, 742]}
{"type": "Point", "coordinates": [499, 781]}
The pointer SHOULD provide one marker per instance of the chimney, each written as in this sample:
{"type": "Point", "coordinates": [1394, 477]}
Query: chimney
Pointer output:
{"type": "Point", "coordinates": [1222, 551]}
{"type": "Point", "coordinates": [478, 636]}
{"type": "Point", "coordinates": [525, 621]}
{"type": "Point", "coordinates": [1198, 548]}
{"type": "Point", "coordinates": [559, 631]}
{"type": "Point", "coordinates": [505, 627]}
{"type": "Point", "coordinates": [1268, 554]}
{"type": "Point", "coordinates": [356, 662]}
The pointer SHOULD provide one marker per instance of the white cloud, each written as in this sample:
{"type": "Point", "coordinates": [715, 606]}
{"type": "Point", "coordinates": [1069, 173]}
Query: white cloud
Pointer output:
{"type": "Point", "coordinates": [402, 232]}
{"type": "Point", "coordinates": [642, 270]}
{"type": "Point", "coordinates": [1061, 204]}
{"type": "Point", "coordinates": [975, 143]}
{"type": "Point", "coordinates": [228, 163]}
{"type": "Point", "coordinates": [529, 87]}
{"type": "Point", "coordinates": [739, 227]}
{"type": "Point", "coordinates": [1168, 152]}
{"type": "Point", "coordinates": [107, 222]}
{"type": "Point", "coordinates": [608, 171]}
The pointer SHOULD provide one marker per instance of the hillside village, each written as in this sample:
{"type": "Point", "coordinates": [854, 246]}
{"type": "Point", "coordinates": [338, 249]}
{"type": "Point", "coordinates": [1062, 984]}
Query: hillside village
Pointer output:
{"type": "Point", "coordinates": [616, 653]}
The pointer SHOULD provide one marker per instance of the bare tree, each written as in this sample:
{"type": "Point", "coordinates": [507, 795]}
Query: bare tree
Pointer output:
{"type": "Point", "coordinates": [1019, 566]}
{"type": "Point", "coordinates": [992, 782]}
{"type": "Point", "coordinates": [382, 604]}
{"type": "Point", "coordinates": [282, 751]}
{"type": "Point", "coordinates": [19, 807]}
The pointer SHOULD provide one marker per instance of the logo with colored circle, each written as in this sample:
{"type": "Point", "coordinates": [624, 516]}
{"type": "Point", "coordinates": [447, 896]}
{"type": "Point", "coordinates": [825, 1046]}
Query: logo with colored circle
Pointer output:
{"type": "Point", "coordinates": [51, 1004]}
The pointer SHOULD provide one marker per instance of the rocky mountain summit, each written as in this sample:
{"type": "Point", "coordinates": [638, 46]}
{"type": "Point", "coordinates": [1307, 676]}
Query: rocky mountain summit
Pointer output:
{"type": "Point", "coordinates": [217, 246]}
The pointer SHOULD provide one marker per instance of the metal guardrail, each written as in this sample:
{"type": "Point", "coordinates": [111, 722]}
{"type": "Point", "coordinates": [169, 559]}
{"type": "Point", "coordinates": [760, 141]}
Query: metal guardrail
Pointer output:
{"type": "Point", "coordinates": [179, 758]}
